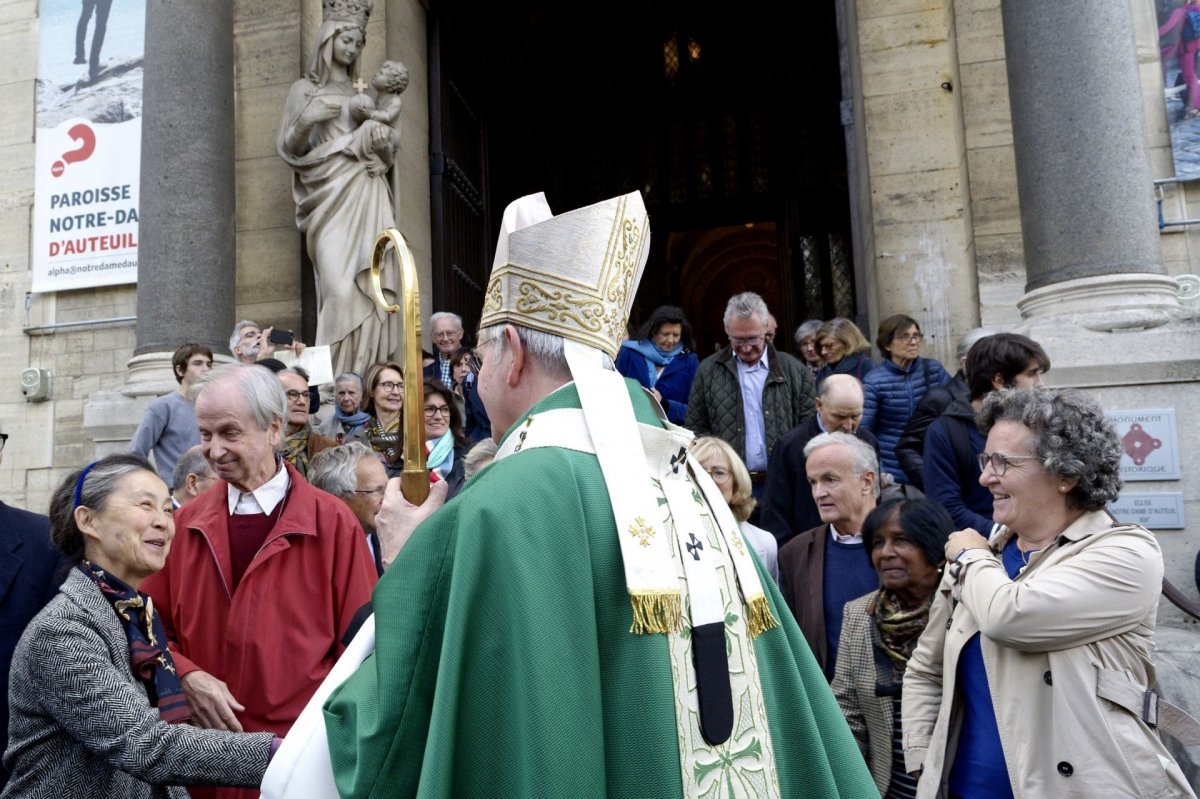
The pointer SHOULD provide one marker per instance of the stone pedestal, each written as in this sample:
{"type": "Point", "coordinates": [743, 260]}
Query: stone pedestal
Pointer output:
{"type": "Point", "coordinates": [1097, 297]}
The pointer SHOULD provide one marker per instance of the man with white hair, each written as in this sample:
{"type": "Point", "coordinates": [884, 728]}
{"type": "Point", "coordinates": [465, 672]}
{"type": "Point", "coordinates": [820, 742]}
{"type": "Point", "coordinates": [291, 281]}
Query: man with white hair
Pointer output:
{"type": "Point", "coordinates": [265, 571]}
{"type": "Point", "coordinates": [749, 393]}
{"type": "Point", "coordinates": [788, 507]}
{"type": "Point", "coordinates": [446, 330]}
{"type": "Point", "coordinates": [354, 474]}
{"type": "Point", "coordinates": [583, 619]}
{"type": "Point", "coordinates": [822, 569]}
{"type": "Point", "coordinates": [249, 343]}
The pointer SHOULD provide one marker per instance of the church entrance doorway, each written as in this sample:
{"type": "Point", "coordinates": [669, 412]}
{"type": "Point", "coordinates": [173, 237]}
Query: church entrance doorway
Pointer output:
{"type": "Point", "coordinates": [727, 118]}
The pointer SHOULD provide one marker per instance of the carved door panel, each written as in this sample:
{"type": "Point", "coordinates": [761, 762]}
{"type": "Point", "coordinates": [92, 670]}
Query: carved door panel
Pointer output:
{"type": "Point", "coordinates": [461, 236]}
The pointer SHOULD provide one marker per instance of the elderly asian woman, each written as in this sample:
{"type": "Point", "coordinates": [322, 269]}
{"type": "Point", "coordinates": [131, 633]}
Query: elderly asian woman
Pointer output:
{"type": "Point", "coordinates": [96, 707]}
{"type": "Point", "coordinates": [905, 540]}
{"type": "Point", "coordinates": [732, 478]}
{"type": "Point", "coordinates": [1035, 673]}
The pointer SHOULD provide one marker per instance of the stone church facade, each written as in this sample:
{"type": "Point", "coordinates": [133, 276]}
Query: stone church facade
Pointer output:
{"type": "Point", "coordinates": [936, 224]}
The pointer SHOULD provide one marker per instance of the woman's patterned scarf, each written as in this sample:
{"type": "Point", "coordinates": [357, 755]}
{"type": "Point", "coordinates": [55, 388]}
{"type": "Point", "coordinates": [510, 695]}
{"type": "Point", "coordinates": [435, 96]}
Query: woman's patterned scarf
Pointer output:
{"type": "Point", "coordinates": [295, 449]}
{"type": "Point", "coordinates": [149, 657]}
{"type": "Point", "coordinates": [385, 442]}
{"type": "Point", "coordinates": [899, 627]}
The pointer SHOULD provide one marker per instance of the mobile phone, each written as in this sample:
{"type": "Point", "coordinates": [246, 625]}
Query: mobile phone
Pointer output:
{"type": "Point", "coordinates": [284, 337]}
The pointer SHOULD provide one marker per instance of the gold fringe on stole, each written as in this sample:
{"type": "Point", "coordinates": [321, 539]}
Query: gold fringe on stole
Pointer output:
{"type": "Point", "coordinates": [656, 612]}
{"type": "Point", "coordinates": [759, 618]}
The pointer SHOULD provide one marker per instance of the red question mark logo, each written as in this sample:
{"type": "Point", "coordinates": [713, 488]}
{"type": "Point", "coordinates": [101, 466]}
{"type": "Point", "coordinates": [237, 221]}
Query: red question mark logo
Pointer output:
{"type": "Point", "coordinates": [87, 145]}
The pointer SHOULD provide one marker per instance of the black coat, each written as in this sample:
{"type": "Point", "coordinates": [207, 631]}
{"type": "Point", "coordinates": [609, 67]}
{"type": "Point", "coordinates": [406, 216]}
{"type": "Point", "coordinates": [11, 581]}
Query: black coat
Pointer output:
{"type": "Point", "coordinates": [31, 570]}
{"type": "Point", "coordinates": [788, 507]}
{"type": "Point", "coordinates": [910, 450]}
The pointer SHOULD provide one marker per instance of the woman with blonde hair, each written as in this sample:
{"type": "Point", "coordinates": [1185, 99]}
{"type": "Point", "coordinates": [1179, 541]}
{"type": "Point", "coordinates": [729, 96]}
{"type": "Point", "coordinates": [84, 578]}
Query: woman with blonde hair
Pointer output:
{"type": "Point", "coordinates": [844, 349]}
{"type": "Point", "coordinates": [730, 474]}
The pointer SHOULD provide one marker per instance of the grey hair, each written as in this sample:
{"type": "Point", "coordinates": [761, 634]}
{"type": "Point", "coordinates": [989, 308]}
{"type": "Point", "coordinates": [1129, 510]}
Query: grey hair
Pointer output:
{"type": "Point", "coordinates": [333, 470]}
{"type": "Point", "coordinates": [479, 457]}
{"type": "Point", "coordinates": [236, 337]}
{"type": "Point", "coordinates": [99, 483]}
{"type": "Point", "coordinates": [259, 386]}
{"type": "Point", "coordinates": [745, 305]}
{"type": "Point", "coordinates": [545, 348]}
{"type": "Point", "coordinates": [1072, 438]}
{"type": "Point", "coordinates": [440, 315]}
{"type": "Point", "coordinates": [350, 377]}
{"type": "Point", "coordinates": [807, 330]}
{"type": "Point", "coordinates": [190, 462]}
{"type": "Point", "coordinates": [862, 455]}
{"type": "Point", "coordinates": [968, 340]}
{"type": "Point", "coordinates": [298, 371]}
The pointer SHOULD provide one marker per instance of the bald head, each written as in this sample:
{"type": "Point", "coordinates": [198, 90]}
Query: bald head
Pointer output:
{"type": "Point", "coordinates": [840, 404]}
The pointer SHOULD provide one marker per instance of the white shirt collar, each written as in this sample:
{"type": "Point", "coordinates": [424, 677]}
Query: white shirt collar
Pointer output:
{"type": "Point", "coordinates": [262, 499]}
{"type": "Point", "coordinates": [853, 538]}
{"type": "Point", "coordinates": [760, 364]}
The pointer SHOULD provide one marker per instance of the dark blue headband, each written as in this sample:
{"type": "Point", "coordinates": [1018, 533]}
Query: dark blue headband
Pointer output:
{"type": "Point", "coordinates": [79, 482]}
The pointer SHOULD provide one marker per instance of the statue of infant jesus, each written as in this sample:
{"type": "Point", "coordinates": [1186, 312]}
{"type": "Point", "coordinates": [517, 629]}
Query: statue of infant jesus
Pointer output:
{"type": "Point", "coordinates": [390, 82]}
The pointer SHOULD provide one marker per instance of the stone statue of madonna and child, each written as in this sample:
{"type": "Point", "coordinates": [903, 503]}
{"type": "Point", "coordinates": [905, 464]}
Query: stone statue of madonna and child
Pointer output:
{"type": "Point", "coordinates": [340, 143]}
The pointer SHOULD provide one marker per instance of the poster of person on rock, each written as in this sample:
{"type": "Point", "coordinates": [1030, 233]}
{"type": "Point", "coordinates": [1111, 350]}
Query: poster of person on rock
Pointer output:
{"type": "Point", "coordinates": [88, 144]}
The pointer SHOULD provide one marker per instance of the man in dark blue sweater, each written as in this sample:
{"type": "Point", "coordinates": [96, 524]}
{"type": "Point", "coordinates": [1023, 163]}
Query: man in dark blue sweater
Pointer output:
{"type": "Point", "coordinates": [823, 568]}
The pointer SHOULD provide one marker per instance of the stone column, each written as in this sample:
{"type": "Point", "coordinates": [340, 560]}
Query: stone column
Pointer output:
{"type": "Point", "coordinates": [1087, 207]}
{"type": "Point", "coordinates": [186, 279]}
{"type": "Point", "coordinates": [186, 274]}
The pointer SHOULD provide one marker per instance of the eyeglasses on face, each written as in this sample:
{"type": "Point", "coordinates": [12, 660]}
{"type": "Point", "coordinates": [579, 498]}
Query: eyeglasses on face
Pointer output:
{"type": "Point", "coordinates": [828, 345]}
{"type": "Point", "coordinates": [911, 338]}
{"type": "Point", "coordinates": [368, 492]}
{"type": "Point", "coordinates": [390, 386]}
{"type": "Point", "coordinates": [433, 410]}
{"type": "Point", "coordinates": [474, 361]}
{"type": "Point", "coordinates": [719, 474]}
{"type": "Point", "coordinates": [296, 396]}
{"type": "Point", "coordinates": [444, 336]}
{"type": "Point", "coordinates": [747, 342]}
{"type": "Point", "coordinates": [1000, 462]}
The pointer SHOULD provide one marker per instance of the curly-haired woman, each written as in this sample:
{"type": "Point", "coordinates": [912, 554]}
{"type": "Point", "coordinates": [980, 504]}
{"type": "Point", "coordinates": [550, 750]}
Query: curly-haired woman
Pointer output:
{"type": "Point", "coordinates": [1035, 676]}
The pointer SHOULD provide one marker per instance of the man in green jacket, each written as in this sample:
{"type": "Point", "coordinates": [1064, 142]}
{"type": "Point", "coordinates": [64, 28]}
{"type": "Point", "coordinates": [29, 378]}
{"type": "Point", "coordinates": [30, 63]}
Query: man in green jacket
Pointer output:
{"type": "Point", "coordinates": [749, 393]}
{"type": "Point", "coordinates": [583, 619]}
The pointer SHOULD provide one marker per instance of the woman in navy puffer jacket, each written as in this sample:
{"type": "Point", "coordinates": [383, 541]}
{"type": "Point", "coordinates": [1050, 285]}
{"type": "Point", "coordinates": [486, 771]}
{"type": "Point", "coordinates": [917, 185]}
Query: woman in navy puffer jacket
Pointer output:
{"type": "Point", "coordinates": [892, 390]}
{"type": "Point", "coordinates": [660, 358]}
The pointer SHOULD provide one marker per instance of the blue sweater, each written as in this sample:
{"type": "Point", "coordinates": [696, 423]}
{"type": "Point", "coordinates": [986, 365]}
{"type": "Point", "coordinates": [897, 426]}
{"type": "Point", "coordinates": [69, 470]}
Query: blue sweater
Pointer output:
{"type": "Point", "coordinates": [968, 503]}
{"type": "Point", "coordinates": [674, 384]}
{"type": "Point", "coordinates": [890, 395]}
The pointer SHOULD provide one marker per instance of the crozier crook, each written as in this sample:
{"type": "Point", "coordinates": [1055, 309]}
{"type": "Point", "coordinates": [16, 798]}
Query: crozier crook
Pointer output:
{"type": "Point", "coordinates": [414, 480]}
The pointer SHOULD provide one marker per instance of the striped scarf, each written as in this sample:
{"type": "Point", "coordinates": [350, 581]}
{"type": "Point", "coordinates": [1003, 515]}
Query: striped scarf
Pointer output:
{"type": "Point", "coordinates": [150, 660]}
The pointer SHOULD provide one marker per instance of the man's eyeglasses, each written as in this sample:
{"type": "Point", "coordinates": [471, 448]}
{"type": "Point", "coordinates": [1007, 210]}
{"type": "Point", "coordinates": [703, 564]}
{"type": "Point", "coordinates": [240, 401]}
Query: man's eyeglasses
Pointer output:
{"type": "Point", "coordinates": [445, 336]}
{"type": "Point", "coordinates": [747, 342]}
{"type": "Point", "coordinates": [368, 492]}
{"type": "Point", "coordinates": [433, 410]}
{"type": "Point", "coordinates": [390, 386]}
{"type": "Point", "coordinates": [296, 396]}
{"type": "Point", "coordinates": [474, 362]}
{"type": "Point", "coordinates": [1000, 462]}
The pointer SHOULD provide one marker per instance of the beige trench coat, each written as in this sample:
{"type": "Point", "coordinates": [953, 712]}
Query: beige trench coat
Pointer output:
{"type": "Point", "coordinates": [1068, 648]}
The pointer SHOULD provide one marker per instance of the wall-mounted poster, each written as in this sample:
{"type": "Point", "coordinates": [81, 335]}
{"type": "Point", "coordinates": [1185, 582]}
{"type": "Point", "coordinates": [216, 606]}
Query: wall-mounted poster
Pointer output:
{"type": "Point", "coordinates": [88, 145]}
{"type": "Point", "coordinates": [1149, 445]}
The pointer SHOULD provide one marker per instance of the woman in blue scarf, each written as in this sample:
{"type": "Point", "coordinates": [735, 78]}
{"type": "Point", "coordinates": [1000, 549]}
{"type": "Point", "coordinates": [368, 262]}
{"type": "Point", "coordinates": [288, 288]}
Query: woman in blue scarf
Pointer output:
{"type": "Point", "coordinates": [660, 357]}
{"type": "Point", "coordinates": [445, 441]}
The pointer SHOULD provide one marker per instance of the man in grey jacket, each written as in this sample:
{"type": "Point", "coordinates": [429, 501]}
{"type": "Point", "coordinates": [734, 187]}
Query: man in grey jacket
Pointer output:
{"type": "Point", "coordinates": [754, 398]}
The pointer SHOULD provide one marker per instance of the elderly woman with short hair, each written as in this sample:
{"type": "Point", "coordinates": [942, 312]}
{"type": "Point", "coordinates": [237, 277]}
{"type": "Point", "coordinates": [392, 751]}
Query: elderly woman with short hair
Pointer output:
{"type": "Point", "coordinates": [96, 707]}
{"type": "Point", "coordinates": [806, 345]}
{"type": "Point", "coordinates": [1035, 675]}
{"type": "Point", "coordinates": [348, 417]}
{"type": "Point", "coordinates": [732, 478]}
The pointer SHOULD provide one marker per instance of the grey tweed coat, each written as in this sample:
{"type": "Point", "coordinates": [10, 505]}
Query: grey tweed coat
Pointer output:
{"type": "Point", "coordinates": [82, 726]}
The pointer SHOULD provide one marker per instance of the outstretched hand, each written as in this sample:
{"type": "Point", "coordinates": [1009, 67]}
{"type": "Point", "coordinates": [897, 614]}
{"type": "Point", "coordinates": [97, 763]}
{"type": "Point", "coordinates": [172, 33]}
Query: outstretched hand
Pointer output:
{"type": "Point", "coordinates": [397, 517]}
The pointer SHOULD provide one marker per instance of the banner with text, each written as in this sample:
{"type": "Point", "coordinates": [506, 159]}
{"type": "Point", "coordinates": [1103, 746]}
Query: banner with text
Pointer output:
{"type": "Point", "coordinates": [88, 146]}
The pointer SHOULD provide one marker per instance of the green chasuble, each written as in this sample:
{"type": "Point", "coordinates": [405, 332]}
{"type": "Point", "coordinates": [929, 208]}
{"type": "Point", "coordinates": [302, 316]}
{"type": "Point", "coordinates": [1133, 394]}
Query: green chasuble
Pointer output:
{"type": "Point", "coordinates": [504, 665]}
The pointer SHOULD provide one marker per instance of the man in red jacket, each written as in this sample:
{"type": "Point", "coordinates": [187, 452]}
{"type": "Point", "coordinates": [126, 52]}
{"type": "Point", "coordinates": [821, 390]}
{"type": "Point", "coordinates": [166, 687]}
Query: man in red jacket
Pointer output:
{"type": "Point", "coordinates": [265, 572]}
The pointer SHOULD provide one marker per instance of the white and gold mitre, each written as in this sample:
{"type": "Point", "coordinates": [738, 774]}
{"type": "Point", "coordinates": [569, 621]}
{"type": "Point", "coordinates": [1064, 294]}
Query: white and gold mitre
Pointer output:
{"type": "Point", "coordinates": [572, 275]}
{"type": "Point", "coordinates": [356, 11]}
